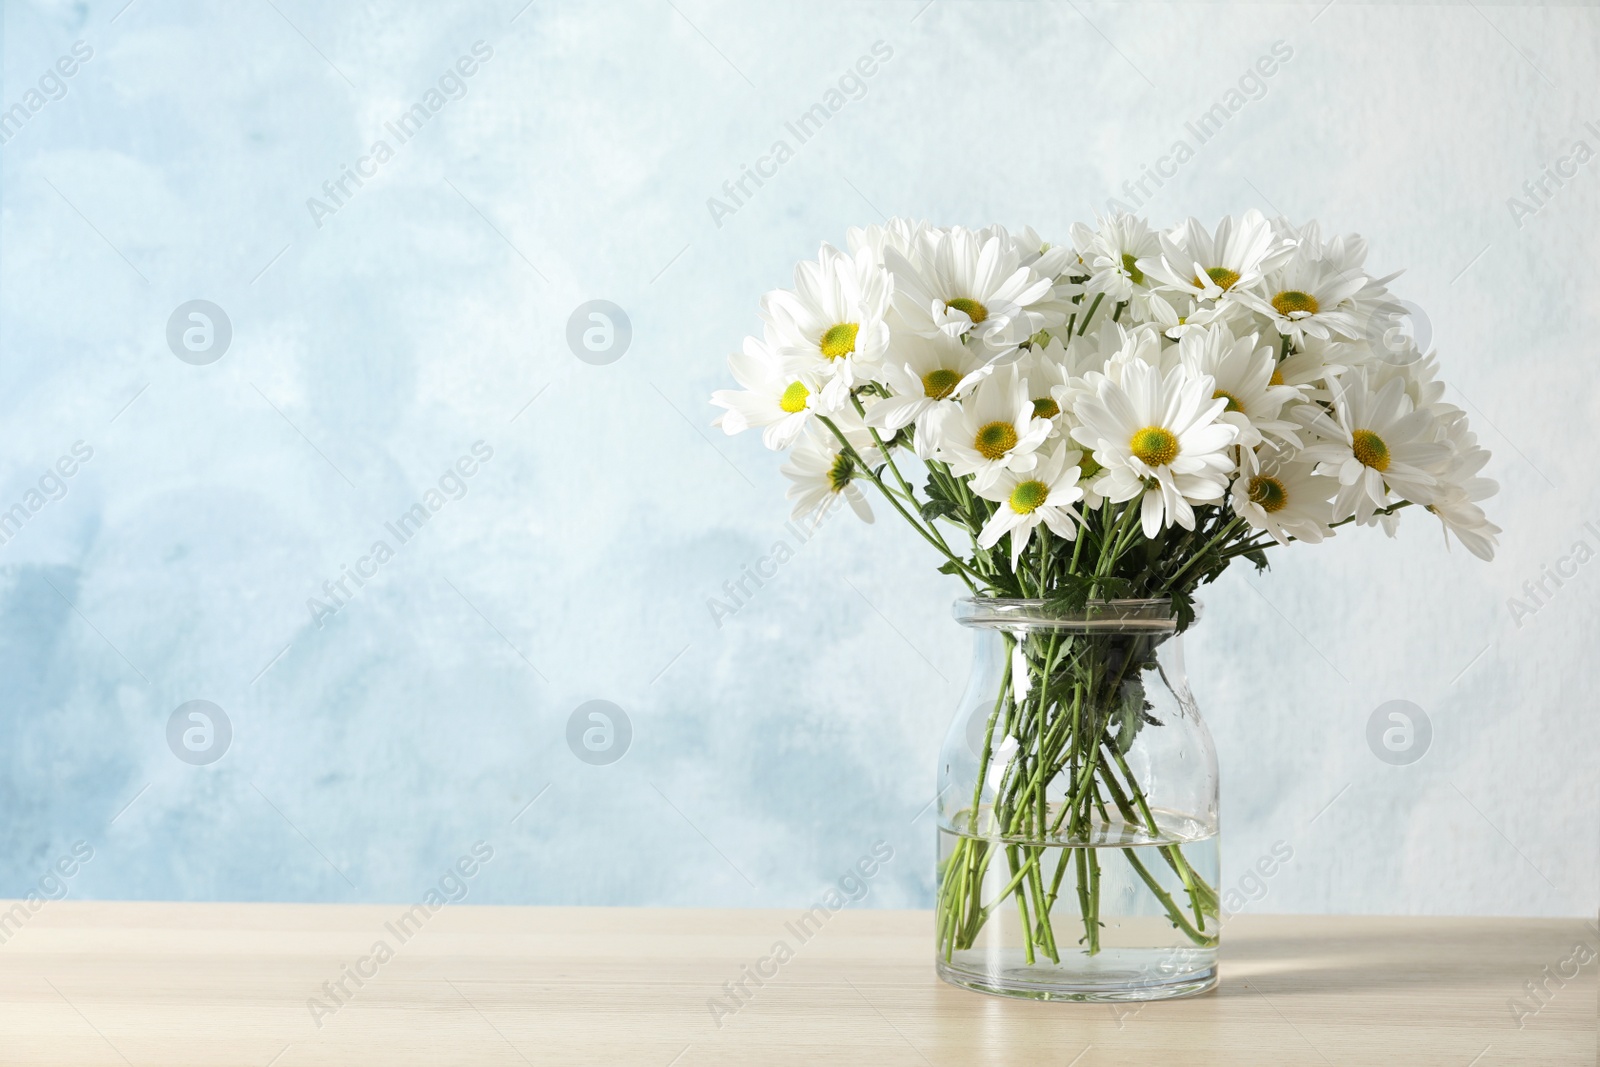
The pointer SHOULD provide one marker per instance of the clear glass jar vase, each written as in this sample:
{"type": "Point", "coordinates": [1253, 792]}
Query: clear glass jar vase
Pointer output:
{"type": "Point", "coordinates": [1077, 809]}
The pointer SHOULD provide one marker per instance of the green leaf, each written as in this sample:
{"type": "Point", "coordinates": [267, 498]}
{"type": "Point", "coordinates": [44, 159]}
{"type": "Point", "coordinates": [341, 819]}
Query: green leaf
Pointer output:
{"type": "Point", "coordinates": [1072, 592]}
{"type": "Point", "coordinates": [939, 508]}
{"type": "Point", "coordinates": [1183, 609]}
{"type": "Point", "coordinates": [1131, 713]}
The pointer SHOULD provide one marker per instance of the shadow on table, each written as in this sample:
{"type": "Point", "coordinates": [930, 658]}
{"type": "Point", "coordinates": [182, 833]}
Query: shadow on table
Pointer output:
{"type": "Point", "coordinates": [1472, 954]}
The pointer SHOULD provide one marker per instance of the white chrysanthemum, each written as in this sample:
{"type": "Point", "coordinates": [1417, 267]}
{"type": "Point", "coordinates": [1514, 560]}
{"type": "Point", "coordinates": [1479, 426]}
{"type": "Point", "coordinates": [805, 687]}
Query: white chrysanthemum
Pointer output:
{"type": "Point", "coordinates": [960, 282]}
{"type": "Point", "coordinates": [993, 429]}
{"type": "Point", "coordinates": [1319, 362]}
{"type": "Point", "coordinates": [1310, 296]}
{"type": "Point", "coordinates": [1242, 371]}
{"type": "Point", "coordinates": [1209, 266]}
{"type": "Point", "coordinates": [1346, 251]}
{"type": "Point", "coordinates": [1046, 370]}
{"type": "Point", "coordinates": [1389, 326]}
{"type": "Point", "coordinates": [819, 470]}
{"type": "Point", "coordinates": [1122, 346]}
{"type": "Point", "coordinates": [1176, 315]}
{"type": "Point", "coordinates": [1460, 489]}
{"type": "Point", "coordinates": [1045, 494]}
{"type": "Point", "coordinates": [772, 397]}
{"type": "Point", "coordinates": [1111, 254]}
{"type": "Point", "coordinates": [1421, 378]}
{"type": "Point", "coordinates": [1160, 436]}
{"type": "Point", "coordinates": [1375, 442]}
{"type": "Point", "coordinates": [924, 375]}
{"type": "Point", "coordinates": [1093, 352]}
{"type": "Point", "coordinates": [900, 235]}
{"type": "Point", "coordinates": [830, 327]}
{"type": "Point", "coordinates": [1059, 263]}
{"type": "Point", "coordinates": [1060, 374]}
{"type": "Point", "coordinates": [1286, 498]}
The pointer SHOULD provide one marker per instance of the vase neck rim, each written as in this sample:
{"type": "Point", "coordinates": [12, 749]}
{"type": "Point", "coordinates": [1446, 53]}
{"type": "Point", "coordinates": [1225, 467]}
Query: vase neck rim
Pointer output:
{"type": "Point", "coordinates": [1150, 615]}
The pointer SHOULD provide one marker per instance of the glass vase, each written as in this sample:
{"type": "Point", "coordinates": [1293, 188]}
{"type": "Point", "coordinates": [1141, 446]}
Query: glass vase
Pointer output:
{"type": "Point", "coordinates": [1077, 808]}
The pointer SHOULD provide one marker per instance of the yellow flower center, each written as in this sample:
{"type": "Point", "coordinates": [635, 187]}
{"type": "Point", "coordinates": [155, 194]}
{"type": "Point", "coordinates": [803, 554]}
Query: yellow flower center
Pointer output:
{"type": "Point", "coordinates": [1268, 493]}
{"type": "Point", "coordinates": [1155, 445]}
{"type": "Point", "coordinates": [1029, 496]}
{"type": "Point", "coordinates": [839, 473]}
{"type": "Point", "coordinates": [1233, 401]}
{"type": "Point", "coordinates": [1045, 407]}
{"type": "Point", "coordinates": [1225, 278]}
{"type": "Point", "coordinates": [1291, 300]}
{"type": "Point", "coordinates": [1370, 450]}
{"type": "Point", "coordinates": [1131, 265]}
{"type": "Point", "coordinates": [995, 439]}
{"type": "Point", "coordinates": [1277, 376]}
{"type": "Point", "coordinates": [839, 340]}
{"type": "Point", "coordinates": [938, 384]}
{"type": "Point", "coordinates": [794, 397]}
{"type": "Point", "coordinates": [970, 308]}
{"type": "Point", "coordinates": [1087, 467]}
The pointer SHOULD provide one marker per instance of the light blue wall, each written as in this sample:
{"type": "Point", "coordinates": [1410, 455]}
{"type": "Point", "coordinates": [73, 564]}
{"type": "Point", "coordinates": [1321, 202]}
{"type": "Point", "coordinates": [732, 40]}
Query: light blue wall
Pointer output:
{"type": "Point", "coordinates": [430, 311]}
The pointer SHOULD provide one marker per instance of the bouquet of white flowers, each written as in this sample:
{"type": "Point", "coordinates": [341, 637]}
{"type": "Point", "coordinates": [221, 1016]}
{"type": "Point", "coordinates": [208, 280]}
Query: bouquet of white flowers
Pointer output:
{"type": "Point", "coordinates": [1120, 416]}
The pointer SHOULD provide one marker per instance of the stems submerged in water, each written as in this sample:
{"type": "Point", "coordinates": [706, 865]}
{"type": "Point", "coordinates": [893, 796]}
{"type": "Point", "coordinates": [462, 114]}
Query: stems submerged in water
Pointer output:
{"type": "Point", "coordinates": [1071, 704]}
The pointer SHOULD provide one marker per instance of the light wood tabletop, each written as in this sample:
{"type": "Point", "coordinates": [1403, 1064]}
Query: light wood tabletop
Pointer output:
{"type": "Point", "coordinates": [296, 985]}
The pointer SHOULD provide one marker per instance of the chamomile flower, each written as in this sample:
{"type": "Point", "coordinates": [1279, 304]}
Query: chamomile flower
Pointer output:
{"type": "Point", "coordinates": [1059, 263]}
{"type": "Point", "coordinates": [1159, 435]}
{"type": "Point", "coordinates": [820, 471]}
{"type": "Point", "coordinates": [1111, 253]}
{"type": "Point", "coordinates": [1374, 442]}
{"type": "Point", "coordinates": [1059, 372]}
{"type": "Point", "coordinates": [1209, 266]}
{"type": "Point", "coordinates": [1124, 345]}
{"type": "Point", "coordinates": [1045, 368]}
{"type": "Point", "coordinates": [902, 235]}
{"type": "Point", "coordinates": [1044, 494]}
{"type": "Point", "coordinates": [925, 374]}
{"type": "Point", "coordinates": [1462, 516]}
{"type": "Point", "coordinates": [831, 326]}
{"type": "Point", "coordinates": [961, 282]}
{"type": "Point", "coordinates": [1317, 362]}
{"type": "Point", "coordinates": [1177, 315]}
{"type": "Point", "coordinates": [1242, 371]}
{"type": "Point", "coordinates": [1311, 296]}
{"type": "Point", "coordinates": [1460, 489]}
{"type": "Point", "coordinates": [774, 398]}
{"type": "Point", "coordinates": [1088, 475]}
{"type": "Point", "coordinates": [1421, 378]}
{"type": "Point", "coordinates": [993, 429]}
{"type": "Point", "coordinates": [1286, 499]}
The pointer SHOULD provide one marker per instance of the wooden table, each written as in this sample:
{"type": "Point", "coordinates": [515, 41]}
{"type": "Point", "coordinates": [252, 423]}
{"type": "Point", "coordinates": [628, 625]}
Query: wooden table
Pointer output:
{"type": "Point", "coordinates": [213, 984]}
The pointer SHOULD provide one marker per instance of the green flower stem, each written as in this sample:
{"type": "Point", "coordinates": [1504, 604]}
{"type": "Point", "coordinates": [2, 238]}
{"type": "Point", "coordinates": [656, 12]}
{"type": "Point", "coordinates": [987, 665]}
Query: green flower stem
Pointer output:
{"type": "Point", "coordinates": [988, 735]}
{"type": "Point", "coordinates": [1090, 938]}
{"type": "Point", "coordinates": [1201, 896]}
{"type": "Point", "coordinates": [1174, 912]}
{"type": "Point", "coordinates": [1022, 902]}
{"type": "Point", "coordinates": [1091, 921]}
{"type": "Point", "coordinates": [1172, 853]}
{"type": "Point", "coordinates": [1226, 530]}
{"type": "Point", "coordinates": [894, 501]}
{"type": "Point", "coordinates": [1089, 315]}
{"type": "Point", "coordinates": [888, 458]}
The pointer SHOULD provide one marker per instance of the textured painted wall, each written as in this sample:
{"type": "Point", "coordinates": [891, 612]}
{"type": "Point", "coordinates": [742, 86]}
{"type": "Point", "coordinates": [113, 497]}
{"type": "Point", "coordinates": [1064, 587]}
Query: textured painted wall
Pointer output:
{"type": "Point", "coordinates": [379, 335]}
